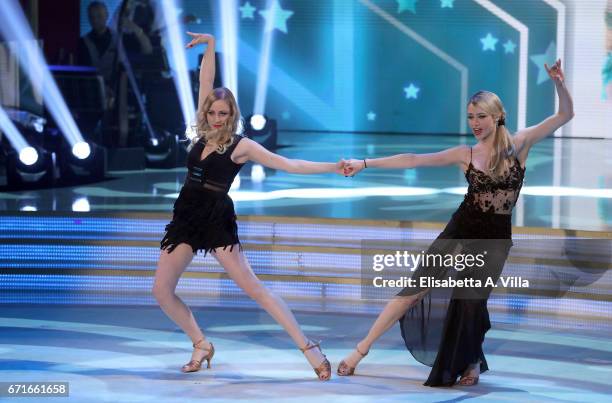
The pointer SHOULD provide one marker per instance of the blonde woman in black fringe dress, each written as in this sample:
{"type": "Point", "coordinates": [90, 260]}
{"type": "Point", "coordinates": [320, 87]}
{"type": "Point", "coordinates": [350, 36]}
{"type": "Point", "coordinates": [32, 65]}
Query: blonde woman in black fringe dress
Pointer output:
{"type": "Point", "coordinates": [204, 217]}
{"type": "Point", "coordinates": [448, 334]}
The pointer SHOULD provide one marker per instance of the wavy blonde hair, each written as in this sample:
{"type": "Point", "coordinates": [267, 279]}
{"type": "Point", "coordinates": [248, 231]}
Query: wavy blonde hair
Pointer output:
{"type": "Point", "coordinates": [503, 144]}
{"type": "Point", "coordinates": [224, 137]}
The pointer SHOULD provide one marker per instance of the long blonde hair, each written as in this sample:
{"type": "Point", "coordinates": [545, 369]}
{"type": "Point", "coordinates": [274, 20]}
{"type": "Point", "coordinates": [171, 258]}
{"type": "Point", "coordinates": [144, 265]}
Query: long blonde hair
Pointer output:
{"type": "Point", "coordinates": [503, 145]}
{"type": "Point", "coordinates": [224, 137]}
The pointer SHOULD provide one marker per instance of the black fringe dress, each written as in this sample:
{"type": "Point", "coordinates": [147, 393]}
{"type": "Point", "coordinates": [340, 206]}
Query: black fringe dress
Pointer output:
{"type": "Point", "coordinates": [204, 216]}
{"type": "Point", "coordinates": [446, 329]}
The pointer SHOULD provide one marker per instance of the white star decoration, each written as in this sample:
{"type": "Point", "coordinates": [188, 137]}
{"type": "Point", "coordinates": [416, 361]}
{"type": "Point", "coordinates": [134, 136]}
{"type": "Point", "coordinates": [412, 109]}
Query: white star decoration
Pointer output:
{"type": "Point", "coordinates": [488, 42]}
{"type": "Point", "coordinates": [411, 91]}
{"type": "Point", "coordinates": [247, 11]}
{"type": "Point", "coordinates": [549, 56]}
{"type": "Point", "coordinates": [276, 17]}
{"type": "Point", "coordinates": [371, 116]}
{"type": "Point", "coordinates": [509, 46]}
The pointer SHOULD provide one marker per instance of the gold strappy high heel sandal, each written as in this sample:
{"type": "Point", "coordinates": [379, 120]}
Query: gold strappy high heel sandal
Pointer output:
{"type": "Point", "coordinates": [195, 365]}
{"type": "Point", "coordinates": [470, 380]}
{"type": "Point", "coordinates": [323, 371]}
{"type": "Point", "coordinates": [344, 369]}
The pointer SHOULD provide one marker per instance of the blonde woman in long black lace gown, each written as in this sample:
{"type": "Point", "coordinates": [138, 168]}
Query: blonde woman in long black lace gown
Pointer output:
{"type": "Point", "coordinates": [451, 343]}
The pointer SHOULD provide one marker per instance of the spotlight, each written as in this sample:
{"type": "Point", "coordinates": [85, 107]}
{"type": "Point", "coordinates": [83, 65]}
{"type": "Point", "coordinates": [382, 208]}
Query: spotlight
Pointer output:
{"type": "Point", "coordinates": [81, 150]}
{"type": "Point", "coordinates": [28, 156]}
{"type": "Point", "coordinates": [84, 162]}
{"type": "Point", "coordinates": [32, 168]}
{"type": "Point", "coordinates": [164, 150]}
{"type": "Point", "coordinates": [257, 122]}
{"type": "Point", "coordinates": [261, 129]}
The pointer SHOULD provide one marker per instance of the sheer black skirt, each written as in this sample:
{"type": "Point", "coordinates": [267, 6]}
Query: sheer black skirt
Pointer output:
{"type": "Point", "coordinates": [446, 329]}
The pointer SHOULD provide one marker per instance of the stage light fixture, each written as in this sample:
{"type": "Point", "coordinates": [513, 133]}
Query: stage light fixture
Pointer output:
{"type": "Point", "coordinates": [261, 129]}
{"type": "Point", "coordinates": [81, 150]}
{"type": "Point", "coordinates": [31, 168]}
{"type": "Point", "coordinates": [257, 122]}
{"type": "Point", "coordinates": [165, 150]}
{"type": "Point", "coordinates": [84, 162]}
{"type": "Point", "coordinates": [28, 156]}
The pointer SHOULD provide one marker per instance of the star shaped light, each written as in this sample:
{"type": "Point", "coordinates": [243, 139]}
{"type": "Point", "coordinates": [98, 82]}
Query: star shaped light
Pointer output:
{"type": "Point", "coordinates": [403, 5]}
{"type": "Point", "coordinates": [446, 3]}
{"type": "Point", "coordinates": [548, 57]}
{"type": "Point", "coordinates": [411, 91]}
{"type": "Point", "coordinates": [371, 116]}
{"type": "Point", "coordinates": [509, 46]}
{"type": "Point", "coordinates": [276, 17]}
{"type": "Point", "coordinates": [247, 11]}
{"type": "Point", "coordinates": [489, 42]}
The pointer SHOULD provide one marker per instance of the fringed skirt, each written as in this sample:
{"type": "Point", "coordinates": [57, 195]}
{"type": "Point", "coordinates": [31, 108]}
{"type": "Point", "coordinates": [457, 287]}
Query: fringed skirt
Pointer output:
{"type": "Point", "coordinates": [203, 219]}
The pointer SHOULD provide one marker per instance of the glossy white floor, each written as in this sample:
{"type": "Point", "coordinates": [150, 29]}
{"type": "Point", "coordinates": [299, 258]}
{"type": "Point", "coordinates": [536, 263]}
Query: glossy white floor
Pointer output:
{"type": "Point", "coordinates": [133, 354]}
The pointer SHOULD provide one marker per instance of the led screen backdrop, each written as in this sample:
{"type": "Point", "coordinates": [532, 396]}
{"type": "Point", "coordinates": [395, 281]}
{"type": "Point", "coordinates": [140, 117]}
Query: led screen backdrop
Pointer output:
{"type": "Point", "coordinates": [409, 65]}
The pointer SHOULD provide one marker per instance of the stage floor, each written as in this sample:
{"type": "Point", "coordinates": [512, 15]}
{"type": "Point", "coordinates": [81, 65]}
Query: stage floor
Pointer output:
{"type": "Point", "coordinates": [574, 193]}
{"type": "Point", "coordinates": [133, 354]}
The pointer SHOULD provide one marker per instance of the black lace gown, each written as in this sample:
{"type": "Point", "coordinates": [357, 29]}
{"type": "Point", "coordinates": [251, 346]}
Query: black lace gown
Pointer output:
{"type": "Point", "coordinates": [446, 329]}
{"type": "Point", "coordinates": [203, 215]}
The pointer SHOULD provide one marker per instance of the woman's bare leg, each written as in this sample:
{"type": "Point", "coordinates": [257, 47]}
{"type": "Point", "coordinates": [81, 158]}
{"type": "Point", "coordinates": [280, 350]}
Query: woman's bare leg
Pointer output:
{"type": "Point", "coordinates": [169, 269]}
{"type": "Point", "coordinates": [239, 270]}
{"type": "Point", "coordinates": [393, 311]}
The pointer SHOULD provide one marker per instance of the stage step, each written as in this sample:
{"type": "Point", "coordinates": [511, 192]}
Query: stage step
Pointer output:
{"type": "Point", "coordinates": [315, 264]}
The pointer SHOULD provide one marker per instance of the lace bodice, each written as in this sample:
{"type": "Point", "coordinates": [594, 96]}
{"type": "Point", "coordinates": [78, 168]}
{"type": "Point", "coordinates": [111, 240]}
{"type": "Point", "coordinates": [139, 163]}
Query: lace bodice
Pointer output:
{"type": "Point", "coordinates": [489, 195]}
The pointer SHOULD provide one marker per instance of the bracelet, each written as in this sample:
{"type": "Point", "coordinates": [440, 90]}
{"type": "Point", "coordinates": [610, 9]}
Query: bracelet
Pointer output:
{"type": "Point", "coordinates": [365, 165]}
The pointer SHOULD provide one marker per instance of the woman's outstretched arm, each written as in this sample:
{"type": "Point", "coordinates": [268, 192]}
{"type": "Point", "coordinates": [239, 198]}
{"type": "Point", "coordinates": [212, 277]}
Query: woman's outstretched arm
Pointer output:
{"type": "Point", "coordinates": [453, 156]}
{"type": "Point", "coordinates": [207, 68]}
{"type": "Point", "coordinates": [249, 150]}
{"type": "Point", "coordinates": [526, 138]}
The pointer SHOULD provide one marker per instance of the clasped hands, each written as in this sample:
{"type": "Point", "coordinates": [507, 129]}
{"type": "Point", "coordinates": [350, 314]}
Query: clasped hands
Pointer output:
{"type": "Point", "coordinates": [349, 167]}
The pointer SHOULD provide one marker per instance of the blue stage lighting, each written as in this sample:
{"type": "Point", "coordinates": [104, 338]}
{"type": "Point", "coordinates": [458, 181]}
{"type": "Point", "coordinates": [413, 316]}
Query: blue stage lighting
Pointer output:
{"type": "Point", "coordinates": [175, 46]}
{"type": "Point", "coordinates": [81, 150]}
{"type": "Point", "coordinates": [28, 156]}
{"type": "Point", "coordinates": [14, 27]}
{"type": "Point", "coordinates": [164, 150]}
{"type": "Point", "coordinates": [229, 44]}
{"type": "Point", "coordinates": [263, 73]}
{"type": "Point", "coordinates": [82, 162]}
{"type": "Point", "coordinates": [257, 122]}
{"type": "Point", "coordinates": [261, 129]}
{"type": "Point", "coordinates": [12, 133]}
